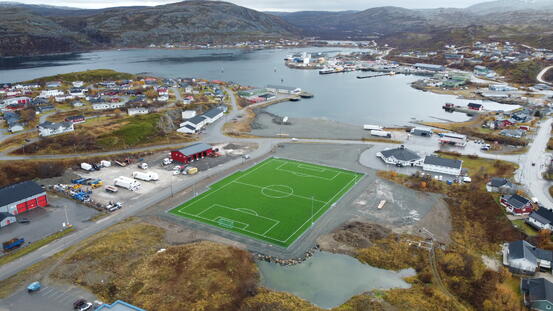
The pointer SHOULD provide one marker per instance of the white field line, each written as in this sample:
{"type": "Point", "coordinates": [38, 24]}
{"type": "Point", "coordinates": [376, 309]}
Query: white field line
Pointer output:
{"type": "Point", "coordinates": [311, 218]}
{"type": "Point", "coordinates": [293, 195]}
{"type": "Point", "coordinates": [276, 222]}
{"type": "Point", "coordinates": [217, 219]}
{"type": "Point", "coordinates": [209, 193]}
{"type": "Point", "coordinates": [302, 174]}
{"type": "Point", "coordinates": [312, 167]}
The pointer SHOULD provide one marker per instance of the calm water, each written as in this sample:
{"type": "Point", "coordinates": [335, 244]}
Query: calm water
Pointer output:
{"type": "Point", "coordinates": [329, 280]}
{"type": "Point", "coordinates": [340, 97]}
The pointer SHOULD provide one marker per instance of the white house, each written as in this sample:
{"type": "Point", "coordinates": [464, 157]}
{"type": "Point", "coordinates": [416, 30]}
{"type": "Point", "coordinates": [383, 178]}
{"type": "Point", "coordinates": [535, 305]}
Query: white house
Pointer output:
{"type": "Point", "coordinates": [541, 219]}
{"type": "Point", "coordinates": [15, 101]}
{"type": "Point", "coordinates": [192, 125]}
{"type": "Point", "coordinates": [283, 89]}
{"type": "Point", "coordinates": [400, 156]}
{"type": "Point", "coordinates": [214, 114]}
{"type": "Point", "coordinates": [162, 98]}
{"type": "Point", "coordinates": [77, 83]}
{"type": "Point", "coordinates": [107, 106]}
{"type": "Point", "coordinates": [139, 110]}
{"type": "Point", "coordinates": [524, 258]}
{"type": "Point", "coordinates": [78, 92]}
{"type": "Point", "coordinates": [442, 165]}
{"type": "Point", "coordinates": [50, 128]}
{"type": "Point", "coordinates": [188, 89]}
{"type": "Point", "coordinates": [63, 98]}
{"type": "Point", "coordinates": [50, 93]}
{"type": "Point", "coordinates": [188, 114]}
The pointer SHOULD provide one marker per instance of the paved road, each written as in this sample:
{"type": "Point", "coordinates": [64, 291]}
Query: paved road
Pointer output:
{"type": "Point", "coordinates": [542, 73]}
{"type": "Point", "coordinates": [534, 163]}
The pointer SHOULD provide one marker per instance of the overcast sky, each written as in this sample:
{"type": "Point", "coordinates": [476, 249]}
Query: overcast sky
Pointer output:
{"type": "Point", "coordinates": [275, 5]}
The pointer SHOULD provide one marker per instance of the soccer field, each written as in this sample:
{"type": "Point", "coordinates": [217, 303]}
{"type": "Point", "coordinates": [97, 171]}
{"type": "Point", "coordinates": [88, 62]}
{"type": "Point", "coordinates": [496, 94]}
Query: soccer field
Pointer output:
{"type": "Point", "coordinates": [275, 201]}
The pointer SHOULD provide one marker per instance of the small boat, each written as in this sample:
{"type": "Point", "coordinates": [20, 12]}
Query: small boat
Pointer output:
{"type": "Point", "coordinates": [381, 204]}
{"type": "Point", "coordinates": [294, 99]}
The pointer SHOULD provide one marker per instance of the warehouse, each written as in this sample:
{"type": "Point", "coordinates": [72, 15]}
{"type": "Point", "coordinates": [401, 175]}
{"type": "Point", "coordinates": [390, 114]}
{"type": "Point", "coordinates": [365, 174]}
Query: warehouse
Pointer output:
{"type": "Point", "coordinates": [18, 198]}
{"type": "Point", "coordinates": [192, 153]}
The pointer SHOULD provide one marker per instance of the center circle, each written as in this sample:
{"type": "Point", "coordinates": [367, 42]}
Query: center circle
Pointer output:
{"type": "Point", "coordinates": [277, 191]}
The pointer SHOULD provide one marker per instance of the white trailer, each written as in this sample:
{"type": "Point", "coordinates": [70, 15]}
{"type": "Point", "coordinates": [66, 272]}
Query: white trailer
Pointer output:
{"type": "Point", "coordinates": [370, 127]}
{"type": "Point", "coordinates": [127, 183]}
{"type": "Point", "coordinates": [146, 176]}
{"type": "Point", "coordinates": [381, 133]}
{"type": "Point", "coordinates": [86, 166]}
{"type": "Point", "coordinates": [105, 163]}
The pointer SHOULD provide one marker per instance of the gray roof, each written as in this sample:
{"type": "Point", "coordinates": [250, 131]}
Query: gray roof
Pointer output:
{"type": "Point", "coordinates": [543, 216]}
{"type": "Point", "coordinates": [55, 126]}
{"type": "Point", "coordinates": [500, 182]}
{"type": "Point", "coordinates": [211, 113]}
{"type": "Point", "coordinates": [196, 120]}
{"type": "Point", "coordinates": [401, 153]}
{"type": "Point", "coordinates": [195, 148]}
{"type": "Point", "coordinates": [522, 249]}
{"type": "Point", "coordinates": [17, 192]}
{"type": "Point", "coordinates": [516, 200]}
{"type": "Point", "coordinates": [538, 289]}
{"type": "Point", "coordinates": [434, 160]}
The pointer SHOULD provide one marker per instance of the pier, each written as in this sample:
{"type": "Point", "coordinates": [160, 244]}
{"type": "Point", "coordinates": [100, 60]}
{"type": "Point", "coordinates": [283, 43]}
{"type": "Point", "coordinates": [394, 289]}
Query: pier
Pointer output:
{"type": "Point", "coordinates": [377, 75]}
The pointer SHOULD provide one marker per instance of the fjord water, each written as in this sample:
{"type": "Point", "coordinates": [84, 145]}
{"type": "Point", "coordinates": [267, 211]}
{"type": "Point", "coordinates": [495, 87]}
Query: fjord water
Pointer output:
{"type": "Point", "coordinates": [329, 280]}
{"type": "Point", "coordinates": [341, 97]}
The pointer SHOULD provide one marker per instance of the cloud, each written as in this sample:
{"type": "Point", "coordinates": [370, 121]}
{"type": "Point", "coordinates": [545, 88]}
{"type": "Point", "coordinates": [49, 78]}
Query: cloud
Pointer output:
{"type": "Point", "coordinates": [275, 5]}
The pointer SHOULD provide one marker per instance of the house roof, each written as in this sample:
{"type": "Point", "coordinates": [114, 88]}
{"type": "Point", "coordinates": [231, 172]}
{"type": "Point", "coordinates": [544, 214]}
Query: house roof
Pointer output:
{"type": "Point", "coordinates": [401, 153]}
{"type": "Point", "coordinates": [543, 216]}
{"type": "Point", "coordinates": [55, 126]}
{"type": "Point", "coordinates": [451, 163]}
{"type": "Point", "coordinates": [17, 192]}
{"type": "Point", "coordinates": [474, 105]}
{"type": "Point", "coordinates": [538, 289]}
{"type": "Point", "coordinates": [195, 148]}
{"type": "Point", "coordinates": [211, 113]}
{"type": "Point", "coordinates": [196, 119]}
{"type": "Point", "coordinates": [516, 200]}
{"type": "Point", "coordinates": [500, 182]}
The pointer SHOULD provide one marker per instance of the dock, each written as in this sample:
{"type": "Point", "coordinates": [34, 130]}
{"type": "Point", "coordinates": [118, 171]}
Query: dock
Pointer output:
{"type": "Point", "coordinates": [377, 75]}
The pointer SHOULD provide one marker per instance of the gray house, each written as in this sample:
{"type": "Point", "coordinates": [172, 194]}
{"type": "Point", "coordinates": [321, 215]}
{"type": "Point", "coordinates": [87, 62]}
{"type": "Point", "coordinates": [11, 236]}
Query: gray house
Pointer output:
{"type": "Point", "coordinates": [500, 185]}
{"type": "Point", "coordinates": [524, 258]}
{"type": "Point", "coordinates": [538, 294]}
{"type": "Point", "coordinates": [400, 156]}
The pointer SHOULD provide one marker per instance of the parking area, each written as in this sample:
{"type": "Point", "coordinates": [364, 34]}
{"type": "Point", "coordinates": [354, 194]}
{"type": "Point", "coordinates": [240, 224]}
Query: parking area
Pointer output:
{"type": "Point", "coordinates": [48, 298]}
{"type": "Point", "coordinates": [48, 220]}
{"type": "Point", "coordinates": [167, 177]}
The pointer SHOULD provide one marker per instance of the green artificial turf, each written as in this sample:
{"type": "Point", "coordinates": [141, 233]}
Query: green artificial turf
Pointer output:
{"type": "Point", "coordinates": [275, 201]}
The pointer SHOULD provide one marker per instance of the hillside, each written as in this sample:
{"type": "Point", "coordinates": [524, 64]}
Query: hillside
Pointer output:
{"type": "Point", "coordinates": [190, 21]}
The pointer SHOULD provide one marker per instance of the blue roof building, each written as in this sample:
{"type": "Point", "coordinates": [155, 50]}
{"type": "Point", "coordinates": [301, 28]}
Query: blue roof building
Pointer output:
{"type": "Point", "coordinates": [119, 305]}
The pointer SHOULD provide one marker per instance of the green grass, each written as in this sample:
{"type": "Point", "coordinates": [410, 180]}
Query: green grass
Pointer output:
{"type": "Point", "coordinates": [136, 131]}
{"type": "Point", "coordinates": [87, 76]}
{"type": "Point", "coordinates": [275, 201]}
{"type": "Point", "coordinates": [33, 246]}
{"type": "Point", "coordinates": [524, 227]}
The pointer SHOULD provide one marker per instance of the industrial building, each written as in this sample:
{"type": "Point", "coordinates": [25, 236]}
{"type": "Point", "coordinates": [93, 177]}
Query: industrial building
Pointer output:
{"type": "Point", "coordinates": [191, 153]}
{"type": "Point", "coordinates": [21, 197]}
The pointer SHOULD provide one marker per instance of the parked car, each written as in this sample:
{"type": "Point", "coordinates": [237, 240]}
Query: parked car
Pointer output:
{"type": "Point", "coordinates": [33, 287]}
{"type": "Point", "coordinates": [24, 221]}
{"type": "Point", "coordinates": [78, 303]}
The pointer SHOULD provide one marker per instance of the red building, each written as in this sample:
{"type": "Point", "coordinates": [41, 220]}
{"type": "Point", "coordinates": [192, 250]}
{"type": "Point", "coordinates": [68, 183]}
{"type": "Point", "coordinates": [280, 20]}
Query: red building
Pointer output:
{"type": "Point", "coordinates": [516, 204]}
{"type": "Point", "coordinates": [21, 197]}
{"type": "Point", "coordinates": [75, 119]}
{"type": "Point", "coordinates": [192, 153]}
